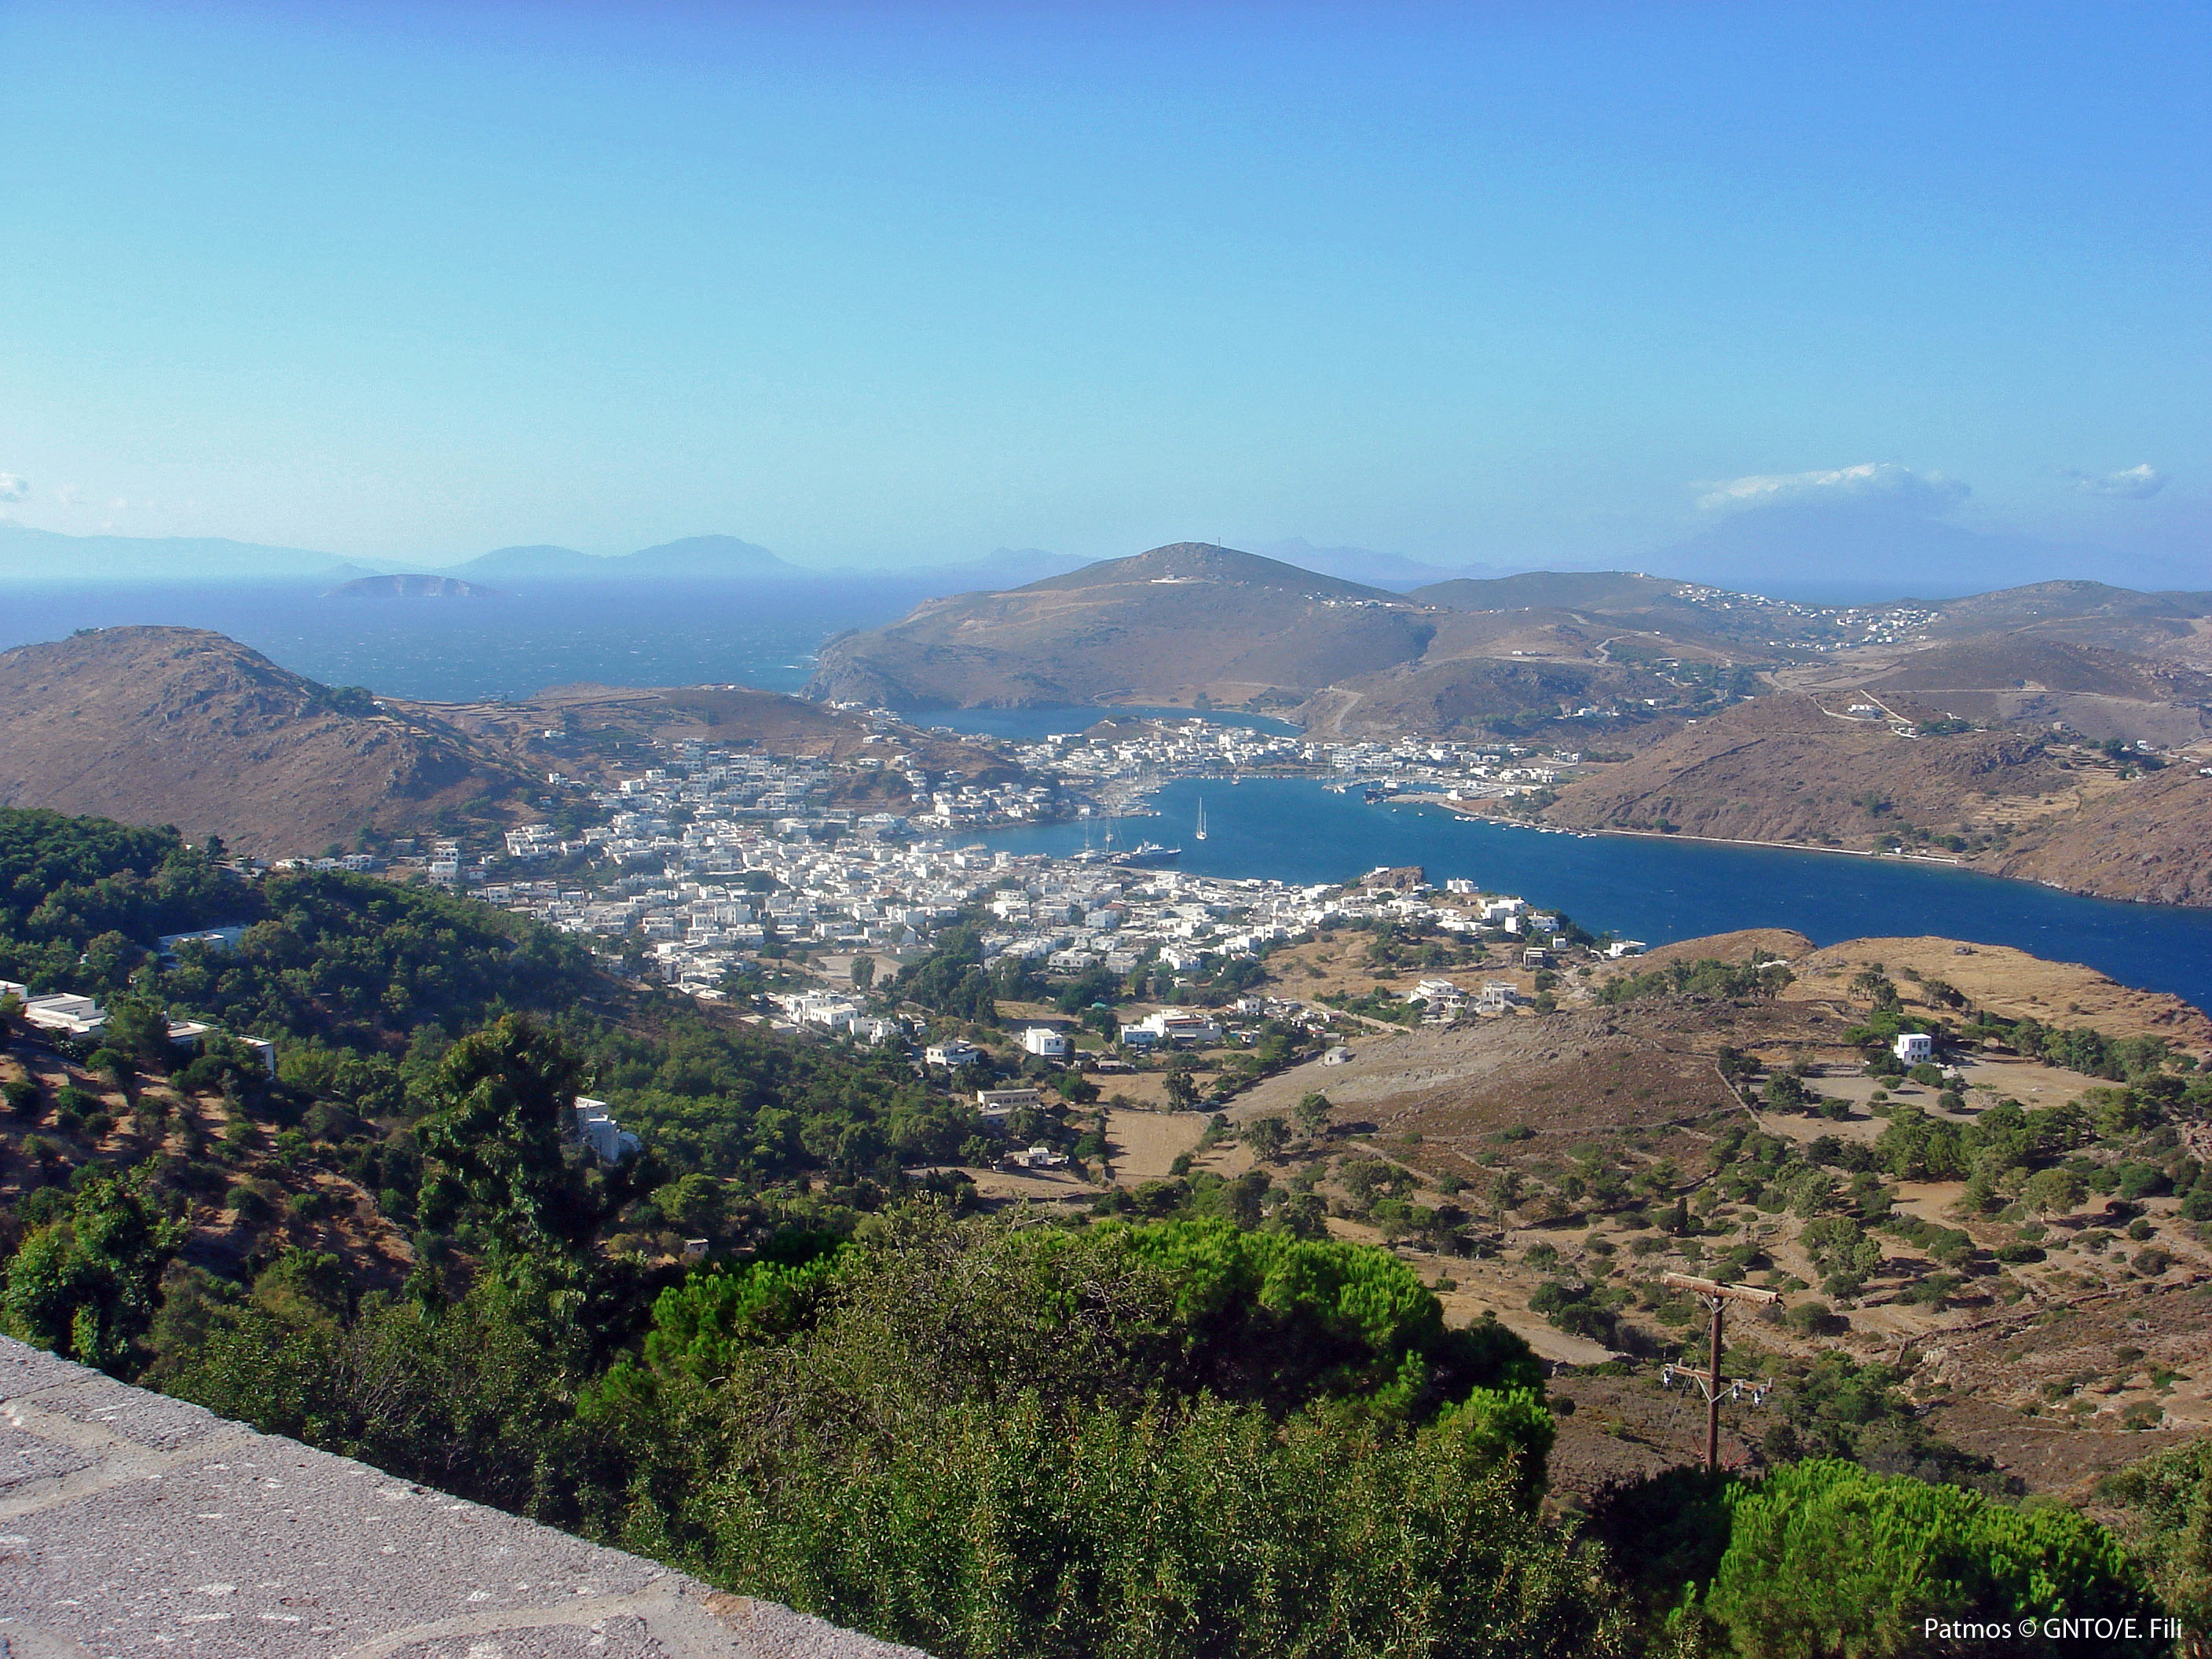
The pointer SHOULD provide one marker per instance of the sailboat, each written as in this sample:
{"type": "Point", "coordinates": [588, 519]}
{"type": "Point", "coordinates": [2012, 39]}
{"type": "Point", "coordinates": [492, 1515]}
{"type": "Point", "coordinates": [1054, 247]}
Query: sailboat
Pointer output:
{"type": "Point", "coordinates": [1201, 817]}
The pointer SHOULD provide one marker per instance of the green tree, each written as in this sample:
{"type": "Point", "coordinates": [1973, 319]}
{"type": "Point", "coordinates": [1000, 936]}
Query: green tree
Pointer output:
{"type": "Point", "coordinates": [86, 1286]}
{"type": "Point", "coordinates": [1824, 1557]}
{"type": "Point", "coordinates": [499, 1097]}
{"type": "Point", "coordinates": [1267, 1135]}
{"type": "Point", "coordinates": [1784, 1093]}
{"type": "Point", "coordinates": [2167, 1503]}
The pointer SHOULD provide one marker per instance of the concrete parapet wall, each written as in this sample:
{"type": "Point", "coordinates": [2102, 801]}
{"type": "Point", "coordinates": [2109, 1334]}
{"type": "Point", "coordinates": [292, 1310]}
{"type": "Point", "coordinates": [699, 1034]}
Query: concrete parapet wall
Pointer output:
{"type": "Point", "coordinates": [132, 1524]}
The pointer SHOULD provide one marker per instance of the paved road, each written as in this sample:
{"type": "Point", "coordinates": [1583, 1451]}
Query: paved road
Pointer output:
{"type": "Point", "coordinates": [132, 1524]}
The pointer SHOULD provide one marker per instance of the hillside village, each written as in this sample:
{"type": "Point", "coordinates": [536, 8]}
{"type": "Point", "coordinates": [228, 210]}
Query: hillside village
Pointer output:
{"type": "Point", "coordinates": [718, 855]}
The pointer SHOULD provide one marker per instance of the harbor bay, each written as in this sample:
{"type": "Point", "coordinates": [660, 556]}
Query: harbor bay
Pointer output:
{"type": "Point", "coordinates": [1650, 888]}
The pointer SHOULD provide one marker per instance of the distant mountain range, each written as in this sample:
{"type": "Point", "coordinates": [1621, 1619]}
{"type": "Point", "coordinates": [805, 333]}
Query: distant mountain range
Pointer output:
{"type": "Point", "coordinates": [1203, 620]}
{"type": "Point", "coordinates": [1818, 552]}
{"type": "Point", "coordinates": [694, 559]}
{"type": "Point", "coordinates": [1364, 564]}
{"type": "Point", "coordinates": [47, 557]}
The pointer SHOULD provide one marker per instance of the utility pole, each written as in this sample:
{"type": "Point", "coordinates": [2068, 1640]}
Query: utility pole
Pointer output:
{"type": "Point", "coordinates": [1716, 1296]}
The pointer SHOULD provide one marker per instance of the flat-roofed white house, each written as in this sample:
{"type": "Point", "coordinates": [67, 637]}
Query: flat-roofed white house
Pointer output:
{"type": "Point", "coordinates": [65, 1015]}
{"type": "Point", "coordinates": [992, 1104]}
{"type": "Point", "coordinates": [225, 937]}
{"type": "Point", "coordinates": [1183, 1026]}
{"type": "Point", "coordinates": [1914, 1047]}
{"type": "Point", "coordinates": [1045, 1042]}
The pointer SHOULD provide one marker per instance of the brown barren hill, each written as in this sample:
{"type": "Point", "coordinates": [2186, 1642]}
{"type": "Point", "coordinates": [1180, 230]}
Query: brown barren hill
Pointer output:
{"type": "Point", "coordinates": [2151, 841]}
{"type": "Point", "coordinates": [1790, 768]}
{"type": "Point", "coordinates": [1784, 768]}
{"type": "Point", "coordinates": [1169, 626]}
{"type": "Point", "coordinates": [1767, 943]}
{"type": "Point", "coordinates": [579, 718]}
{"type": "Point", "coordinates": [184, 726]}
{"type": "Point", "coordinates": [2007, 982]}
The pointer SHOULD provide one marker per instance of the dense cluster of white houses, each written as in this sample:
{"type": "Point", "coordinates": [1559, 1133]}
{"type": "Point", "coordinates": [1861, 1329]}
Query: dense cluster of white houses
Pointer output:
{"type": "Point", "coordinates": [712, 856]}
{"type": "Point", "coordinates": [1155, 750]}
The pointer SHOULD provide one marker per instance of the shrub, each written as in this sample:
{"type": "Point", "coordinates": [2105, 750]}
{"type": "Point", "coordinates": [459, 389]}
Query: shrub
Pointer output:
{"type": "Point", "coordinates": [1813, 1318]}
{"type": "Point", "coordinates": [255, 1202]}
{"type": "Point", "coordinates": [1203, 1534]}
{"type": "Point", "coordinates": [1824, 1557]}
{"type": "Point", "coordinates": [85, 1286]}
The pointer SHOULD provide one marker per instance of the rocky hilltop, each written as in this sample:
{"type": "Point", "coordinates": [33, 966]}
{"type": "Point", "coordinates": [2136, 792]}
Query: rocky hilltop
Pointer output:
{"type": "Point", "coordinates": [1174, 625]}
{"type": "Point", "coordinates": [2013, 800]}
{"type": "Point", "coordinates": [179, 726]}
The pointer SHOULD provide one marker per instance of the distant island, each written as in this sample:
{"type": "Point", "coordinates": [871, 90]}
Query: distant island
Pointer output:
{"type": "Point", "coordinates": [413, 587]}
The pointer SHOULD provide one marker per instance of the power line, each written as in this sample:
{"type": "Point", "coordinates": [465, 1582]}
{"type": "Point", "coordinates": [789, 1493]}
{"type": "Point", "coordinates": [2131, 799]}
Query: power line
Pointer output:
{"type": "Point", "coordinates": [1716, 1296]}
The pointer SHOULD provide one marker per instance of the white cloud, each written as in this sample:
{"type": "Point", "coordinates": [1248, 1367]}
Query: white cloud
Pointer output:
{"type": "Point", "coordinates": [13, 488]}
{"type": "Point", "coordinates": [1880, 484]}
{"type": "Point", "coordinates": [70, 495]}
{"type": "Point", "coordinates": [2136, 484]}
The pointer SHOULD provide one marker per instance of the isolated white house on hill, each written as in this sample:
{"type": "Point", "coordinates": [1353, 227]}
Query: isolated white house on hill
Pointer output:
{"type": "Point", "coordinates": [597, 1128]}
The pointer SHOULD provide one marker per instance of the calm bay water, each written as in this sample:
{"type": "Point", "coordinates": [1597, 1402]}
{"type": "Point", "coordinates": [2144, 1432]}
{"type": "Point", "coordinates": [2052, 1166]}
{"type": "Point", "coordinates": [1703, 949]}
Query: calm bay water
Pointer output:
{"type": "Point", "coordinates": [1656, 891]}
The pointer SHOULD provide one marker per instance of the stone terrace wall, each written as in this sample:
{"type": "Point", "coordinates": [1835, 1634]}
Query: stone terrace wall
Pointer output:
{"type": "Point", "coordinates": [135, 1525]}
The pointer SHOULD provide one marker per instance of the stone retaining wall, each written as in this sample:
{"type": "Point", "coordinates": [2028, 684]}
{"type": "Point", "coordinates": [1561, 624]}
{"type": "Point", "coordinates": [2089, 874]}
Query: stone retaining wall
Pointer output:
{"type": "Point", "coordinates": [133, 1525]}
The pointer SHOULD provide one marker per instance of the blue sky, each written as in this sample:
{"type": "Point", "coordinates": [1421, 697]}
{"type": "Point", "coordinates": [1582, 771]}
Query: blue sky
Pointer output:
{"type": "Point", "coordinates": [1503, 283]}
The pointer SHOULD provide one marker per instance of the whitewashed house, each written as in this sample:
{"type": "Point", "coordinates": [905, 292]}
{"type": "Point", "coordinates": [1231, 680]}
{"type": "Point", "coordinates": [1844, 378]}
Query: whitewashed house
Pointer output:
{"type": "Point", "coordinates": [1045, 1042]}
{"type": "Point", "coordinates": [596, 1128]}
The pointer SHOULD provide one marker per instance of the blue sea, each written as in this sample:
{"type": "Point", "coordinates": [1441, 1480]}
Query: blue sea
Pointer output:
{"type": "Point", "coordinates": [1657, 890]}
{"type": "Point", "coordinates": [460, 650]}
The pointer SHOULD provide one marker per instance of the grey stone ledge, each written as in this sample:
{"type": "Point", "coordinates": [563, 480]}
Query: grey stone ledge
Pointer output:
{"type": "Point", "coordinates": [135, 1525]}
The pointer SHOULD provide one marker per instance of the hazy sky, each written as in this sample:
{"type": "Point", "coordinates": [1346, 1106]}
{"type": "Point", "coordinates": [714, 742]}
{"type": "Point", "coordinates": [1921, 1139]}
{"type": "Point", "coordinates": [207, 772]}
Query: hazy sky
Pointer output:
{"type": "Point", "coordinates": [1468, 282]}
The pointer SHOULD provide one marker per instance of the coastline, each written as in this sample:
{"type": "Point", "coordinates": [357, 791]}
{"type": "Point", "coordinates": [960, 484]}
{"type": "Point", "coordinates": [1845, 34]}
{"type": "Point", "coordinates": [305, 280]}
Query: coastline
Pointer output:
{"type": "Point", "coordinates": [1465, 810]}
{"type": "Point", "coordinates": [1460, 807]}
{"type": "Point", "coordinates": [1139, 803]}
